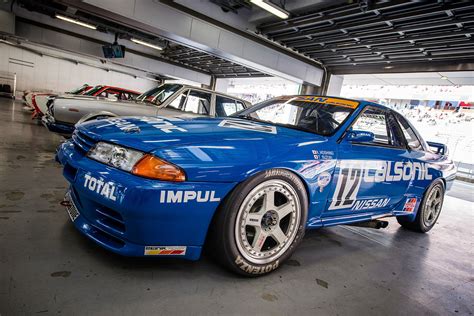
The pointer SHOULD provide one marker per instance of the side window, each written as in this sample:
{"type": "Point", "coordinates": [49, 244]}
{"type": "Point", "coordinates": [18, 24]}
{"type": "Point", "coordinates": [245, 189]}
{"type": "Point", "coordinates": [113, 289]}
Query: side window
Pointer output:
{"type": "Point", "coordinates": [412, 140]}
{"type": "Point", "coordinates": [179, 101]}
{"type": "Point", "coordinates": [375, 121]}
{"type": "Point", "coordinates": [240, 106]}
{"type": "Point", "coordinates": [198, 102]}
{"type": "Point", "coordinates": [112, 94]}
{"type": "Point", "coordinates": [225, 106]}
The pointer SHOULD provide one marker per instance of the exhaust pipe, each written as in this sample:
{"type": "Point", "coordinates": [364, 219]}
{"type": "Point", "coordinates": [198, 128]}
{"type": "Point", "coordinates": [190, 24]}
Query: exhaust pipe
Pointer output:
{"type": "Point", "coordinates": [371, 224]}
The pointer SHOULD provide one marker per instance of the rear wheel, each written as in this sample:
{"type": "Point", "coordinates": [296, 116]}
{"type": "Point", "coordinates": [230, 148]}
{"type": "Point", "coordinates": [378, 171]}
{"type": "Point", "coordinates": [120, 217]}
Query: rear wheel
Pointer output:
{"type": "Point", "coordinates": [260, 223]}
{"type": "Point", "coordinates": [428, 211]}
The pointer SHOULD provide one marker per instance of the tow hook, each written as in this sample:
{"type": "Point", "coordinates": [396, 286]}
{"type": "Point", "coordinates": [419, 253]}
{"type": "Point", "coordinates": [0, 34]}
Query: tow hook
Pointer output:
{"type": "Point", "coordinates": [371, 224]}
{"type": "Point", "coordinates": [65, 203]}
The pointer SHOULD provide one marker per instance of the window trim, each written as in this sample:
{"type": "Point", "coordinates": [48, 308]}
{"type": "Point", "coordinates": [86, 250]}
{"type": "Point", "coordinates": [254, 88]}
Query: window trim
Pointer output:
{"type": "Point", "coordinates": [225, 97]}
{"type": "Point", "coordinates": [186, 101]}
{"type": "Point", "coordinates": [418, 137]}
{"type": "Point", "coordinates": [385, 111]}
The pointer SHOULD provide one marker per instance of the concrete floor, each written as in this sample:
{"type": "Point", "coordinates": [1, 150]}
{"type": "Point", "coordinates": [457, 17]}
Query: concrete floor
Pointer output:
{"type": "Point", "coordinates": [47, 267]}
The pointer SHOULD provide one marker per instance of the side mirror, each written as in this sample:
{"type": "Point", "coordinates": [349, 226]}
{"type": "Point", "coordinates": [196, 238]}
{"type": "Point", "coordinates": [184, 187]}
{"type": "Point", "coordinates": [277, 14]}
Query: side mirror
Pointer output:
{"type": "Point", "coordinates": [360, 136]}
{"type": "Point", "coordinates": [438, 148]}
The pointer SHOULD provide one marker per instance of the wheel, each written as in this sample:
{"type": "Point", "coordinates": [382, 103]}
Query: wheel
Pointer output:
{"type": "Point", "coordinates": [429, 209]}
{"type": "Point", "coordinates": [260, 223]}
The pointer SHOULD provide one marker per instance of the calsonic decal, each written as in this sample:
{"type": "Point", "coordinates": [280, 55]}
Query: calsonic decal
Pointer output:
{"type": "Point", "coordinates": [369, 204]}
{"type": "Point", "coordinates": [160, 123]}
{"type": "Point", "coordinates": [255, 269]}
{"type": "Point", "coordinates": [250, 126]}
{"type": "Point", "coordinates": [323, 180]}
{"type": "Point", "coordinates": [106, 189]}
{"type": "Point", "coordinates": [410, 205]}
{"type": "Point", "coordinates": [171, 196]}
{"type": "Point", "coordinates": [353, 172]}
{"type": "Point", "coordinates": [165, 250]}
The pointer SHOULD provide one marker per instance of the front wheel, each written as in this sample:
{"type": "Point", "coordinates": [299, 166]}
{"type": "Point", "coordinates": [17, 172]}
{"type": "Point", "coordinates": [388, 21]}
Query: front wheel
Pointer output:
{"type": "Point", "coordinates": [429, 209]}
{"type": "Point", "coordinates": [260, 223]}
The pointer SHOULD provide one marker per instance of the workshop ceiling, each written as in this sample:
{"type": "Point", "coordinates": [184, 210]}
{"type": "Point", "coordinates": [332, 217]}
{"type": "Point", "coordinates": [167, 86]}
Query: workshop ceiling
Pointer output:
{"type": "Point", "coordinates": [175, 53]}
{"type": "Point", "coordinates": [383, 35]}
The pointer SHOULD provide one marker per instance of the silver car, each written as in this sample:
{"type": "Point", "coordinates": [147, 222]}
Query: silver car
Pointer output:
{"type": "Point", "coordinates": [166, 100]}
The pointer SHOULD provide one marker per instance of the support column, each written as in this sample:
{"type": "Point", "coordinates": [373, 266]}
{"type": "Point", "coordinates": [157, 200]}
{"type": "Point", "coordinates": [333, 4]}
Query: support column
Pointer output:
{"type": "Point", "coordinates": [212, 84]}
{"type": "Point", "coordinates": [308, 89]}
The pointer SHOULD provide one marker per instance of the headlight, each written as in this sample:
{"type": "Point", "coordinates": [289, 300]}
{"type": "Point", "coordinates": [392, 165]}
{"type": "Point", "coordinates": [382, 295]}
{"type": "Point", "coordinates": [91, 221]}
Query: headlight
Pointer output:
{"type": "Point", "coordinates": [136, 162]}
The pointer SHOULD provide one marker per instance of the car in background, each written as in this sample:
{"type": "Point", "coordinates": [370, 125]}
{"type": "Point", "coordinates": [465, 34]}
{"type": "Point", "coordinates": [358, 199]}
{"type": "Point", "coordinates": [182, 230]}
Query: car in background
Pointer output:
{"type": "Point", "coordinates": [249, 185]}
{"type": "Point", "coordinates": [38, 100]}
{"type": "Point", "coordinates": [165, 100]}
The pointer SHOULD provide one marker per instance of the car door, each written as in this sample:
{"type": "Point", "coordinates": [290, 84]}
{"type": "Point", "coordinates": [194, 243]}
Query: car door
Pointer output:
{"type": "Point", "coordinates": [369, 175]}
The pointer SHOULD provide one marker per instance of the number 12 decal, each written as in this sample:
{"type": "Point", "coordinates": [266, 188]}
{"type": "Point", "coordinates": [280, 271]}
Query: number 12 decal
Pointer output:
{"type": "Point", "coordinates": [347, 187]}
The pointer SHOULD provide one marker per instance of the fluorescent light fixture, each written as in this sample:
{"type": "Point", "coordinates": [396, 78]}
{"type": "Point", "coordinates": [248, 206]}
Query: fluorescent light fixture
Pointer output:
{"type": "Point", "coordinates": [272, 8]}
{"type": "Point", "coordinates": [444, 78]}
{"type": "Point", "coordinates": [65, 18]}
{"type": "Point", "coordinates": [146, 44]}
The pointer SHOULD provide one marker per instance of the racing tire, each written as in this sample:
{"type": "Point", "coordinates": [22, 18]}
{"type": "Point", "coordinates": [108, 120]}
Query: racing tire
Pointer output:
{"type": "Point", "coordinates": [260, 223]}
{"type": "Point", "coordinates": [428, 211]}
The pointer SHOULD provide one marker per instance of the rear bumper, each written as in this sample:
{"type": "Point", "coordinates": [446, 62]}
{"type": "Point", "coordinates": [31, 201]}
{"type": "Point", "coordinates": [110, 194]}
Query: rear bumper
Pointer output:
{"type": "Point", "coordinates": [135, 214]}
{"type": "Point", "coordinates": [61, 128]}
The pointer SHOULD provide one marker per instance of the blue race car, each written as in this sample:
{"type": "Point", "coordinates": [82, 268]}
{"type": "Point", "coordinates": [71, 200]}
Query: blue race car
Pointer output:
{"type": "Point", "coordinates": [248, 186]}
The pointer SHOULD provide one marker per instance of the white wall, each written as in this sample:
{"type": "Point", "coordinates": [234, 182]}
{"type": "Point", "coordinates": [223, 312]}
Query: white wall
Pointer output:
{"type": "Point", "coordinates": [36, 72]}
{"type": "Point", "coordinates": [335, 85]}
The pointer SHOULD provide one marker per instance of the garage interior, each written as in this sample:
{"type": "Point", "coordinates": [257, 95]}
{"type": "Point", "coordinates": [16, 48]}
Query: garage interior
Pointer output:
{"type": "Point", "coordinates": [383, 51]}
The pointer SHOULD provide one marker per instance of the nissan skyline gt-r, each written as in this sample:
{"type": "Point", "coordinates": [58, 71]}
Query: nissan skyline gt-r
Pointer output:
{"type": "Point", "coordinates": [248, 186]}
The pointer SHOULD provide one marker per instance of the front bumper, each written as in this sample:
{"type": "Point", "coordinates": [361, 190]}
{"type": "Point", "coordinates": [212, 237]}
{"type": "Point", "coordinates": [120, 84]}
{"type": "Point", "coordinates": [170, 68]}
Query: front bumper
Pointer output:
{"type": "Point", "coordinates": [54, 126]}
{"type": "Point", "coordinates": [134, 214]}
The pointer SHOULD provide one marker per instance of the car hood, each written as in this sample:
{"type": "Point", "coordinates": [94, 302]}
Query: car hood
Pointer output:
{"type": "Point", "coordinates": [152, 133]}
{"type": "Point", "coordinates": [211, 144]}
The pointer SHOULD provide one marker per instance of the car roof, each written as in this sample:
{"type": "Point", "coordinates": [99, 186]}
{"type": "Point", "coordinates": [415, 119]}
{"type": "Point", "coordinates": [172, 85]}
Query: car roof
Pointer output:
{"type": "Point", "coordinates": [121, 89]}
{"type": "Point", "coordinates": [211, 91]}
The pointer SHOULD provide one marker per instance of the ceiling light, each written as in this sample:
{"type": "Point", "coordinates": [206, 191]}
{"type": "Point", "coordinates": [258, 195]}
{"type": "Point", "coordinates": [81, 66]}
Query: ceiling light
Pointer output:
{"type": "Point", "coordinates": [146, 44]}
{"type": "Point", "coordinates": [388, 67]}
{"type": "Point", "coordinates": [444, 78]}
{"type": "Point", "coordinates": [272, 8]}
{"type": "Point", "coordinates": [65, 18]}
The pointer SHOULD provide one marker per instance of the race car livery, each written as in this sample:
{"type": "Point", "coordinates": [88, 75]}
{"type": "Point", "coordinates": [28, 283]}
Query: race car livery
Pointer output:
{"type": "Point", "coordinates": [249, 185]}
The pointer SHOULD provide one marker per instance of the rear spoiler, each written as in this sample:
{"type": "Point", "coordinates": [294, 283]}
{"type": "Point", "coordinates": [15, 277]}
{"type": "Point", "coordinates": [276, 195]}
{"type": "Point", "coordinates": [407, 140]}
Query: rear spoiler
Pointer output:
{"type": "Point", "coordinates": [438, 148]}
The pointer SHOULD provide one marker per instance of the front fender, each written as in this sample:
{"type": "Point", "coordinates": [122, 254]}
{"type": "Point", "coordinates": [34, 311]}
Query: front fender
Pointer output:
{"type": "Point", "coordinates": [93, 115]}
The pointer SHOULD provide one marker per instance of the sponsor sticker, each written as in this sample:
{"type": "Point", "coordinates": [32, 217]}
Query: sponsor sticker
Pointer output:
{"type": "Point", "coordinates": [410, 205]}
{"type": "Point", "coordinates": [165, 250]}
{"type": "Point", "coordinates": [180, 196]}
{"type": "Point", "coordinates": [332, 101]}
{"type": "Point", "coordinates": [106, 189]}
{"type": "Point", "coordinates": [351, 173]}
{"type": "Point", "coordinates": [323, 180]}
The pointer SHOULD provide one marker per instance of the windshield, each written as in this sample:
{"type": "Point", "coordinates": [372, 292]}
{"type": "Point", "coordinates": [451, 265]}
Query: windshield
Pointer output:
{"type": "Point", "coordinates": [79, 90]}
{"type": "Point", "coordinates": [320, 115]}
{"type": "Point", "coordinates": [94, 90]}
{"type": "Point", "coordinates": [159, 94]}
